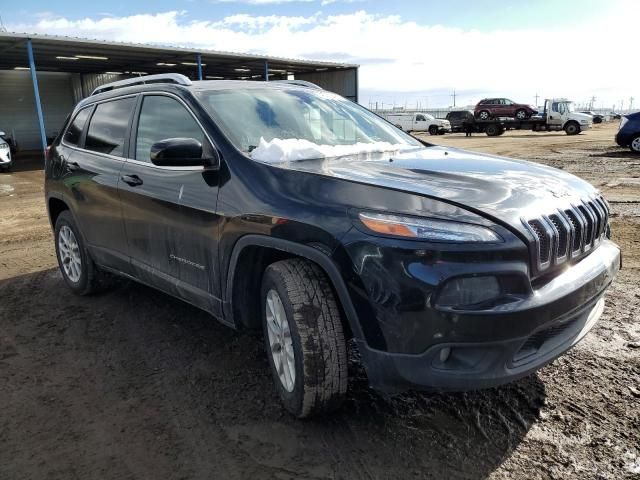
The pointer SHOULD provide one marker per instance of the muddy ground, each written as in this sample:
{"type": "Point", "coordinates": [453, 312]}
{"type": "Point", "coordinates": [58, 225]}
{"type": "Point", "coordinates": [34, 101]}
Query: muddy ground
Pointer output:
{"type": "Point", "coordinates": [134, 384]}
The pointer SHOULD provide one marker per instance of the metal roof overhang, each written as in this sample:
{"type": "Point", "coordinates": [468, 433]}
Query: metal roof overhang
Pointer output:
{"type": "Point", "coordinates": [134, 59]}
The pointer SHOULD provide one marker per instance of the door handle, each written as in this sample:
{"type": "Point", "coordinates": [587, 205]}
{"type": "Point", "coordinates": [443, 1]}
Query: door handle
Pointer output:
{"type": "Point", "coordinates": [73, 165]}
{"type": "Point", "coordinates": [132, 180]}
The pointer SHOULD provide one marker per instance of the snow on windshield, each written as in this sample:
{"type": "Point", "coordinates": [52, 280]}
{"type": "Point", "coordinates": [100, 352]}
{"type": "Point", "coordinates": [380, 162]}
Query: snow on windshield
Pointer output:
{"type": "Point", "coordinates": [292, 149]}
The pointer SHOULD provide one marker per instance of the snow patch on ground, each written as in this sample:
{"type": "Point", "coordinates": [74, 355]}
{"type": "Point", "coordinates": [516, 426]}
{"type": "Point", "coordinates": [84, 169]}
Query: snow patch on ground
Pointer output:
{"type": "Point", "coordinates": [292, 149]}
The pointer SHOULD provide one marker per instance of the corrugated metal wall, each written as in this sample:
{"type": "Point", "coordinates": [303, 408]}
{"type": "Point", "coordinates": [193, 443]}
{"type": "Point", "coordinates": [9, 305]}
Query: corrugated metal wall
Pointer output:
{"type": "Point", "coordinates": [342, 82]}
{"type": "Point", "coordinates": [84, 84]}
{"type": "Point", "coordinates": [17, 107]}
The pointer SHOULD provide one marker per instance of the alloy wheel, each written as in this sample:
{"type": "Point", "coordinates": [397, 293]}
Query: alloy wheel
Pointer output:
{"type": "Point", "coordinates": [635, 144]}
{"type": "Point", "coordinates": [69, 252]}
{"type": "Point", "coordinates": [280, 342]}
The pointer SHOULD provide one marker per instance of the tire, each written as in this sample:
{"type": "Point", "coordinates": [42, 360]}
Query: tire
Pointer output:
{"type": "Point", "coordinates": [597, 120]}
{"type": "Point", "coordinates": [634, 145]}
{"type": "Point", "coordinates": [484, 115]}
{"type": "Point", "coordinates": [319, 379]}
{"type": "Point", "coordinates": [572, 128]}
{"type": "Point", "coordinates": [433, 130]}
{"type": "Point", "coordinates": [85, 278]}
{"type": "Point", "coordinates": [493, 130]}
{"type": "Point", "coordinates": [521, 114]}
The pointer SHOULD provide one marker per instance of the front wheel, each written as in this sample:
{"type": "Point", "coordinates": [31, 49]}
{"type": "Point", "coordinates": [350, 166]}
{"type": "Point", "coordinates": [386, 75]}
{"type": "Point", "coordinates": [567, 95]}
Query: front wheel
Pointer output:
{"type": "Point", "coordinates": [304, 338]}
{"type": "Point", "coordinates": [572, 128]}
{"type": "Point", "coordinates": [635, 144]}
{"type": "Point", "coordinates": [433, 130]}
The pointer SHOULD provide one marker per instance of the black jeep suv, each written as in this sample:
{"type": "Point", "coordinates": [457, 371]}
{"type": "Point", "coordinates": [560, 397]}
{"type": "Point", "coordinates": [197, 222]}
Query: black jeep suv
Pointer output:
{"type": "Point", "coordinates": [288, 208]}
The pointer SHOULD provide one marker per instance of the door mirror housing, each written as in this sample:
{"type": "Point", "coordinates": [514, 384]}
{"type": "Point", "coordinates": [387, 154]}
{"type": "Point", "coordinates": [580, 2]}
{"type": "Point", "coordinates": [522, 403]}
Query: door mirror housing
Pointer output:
{"type": "Point", "coordinates": [182, 152]}
{"type": "Point", "coordinates": [2, 134]}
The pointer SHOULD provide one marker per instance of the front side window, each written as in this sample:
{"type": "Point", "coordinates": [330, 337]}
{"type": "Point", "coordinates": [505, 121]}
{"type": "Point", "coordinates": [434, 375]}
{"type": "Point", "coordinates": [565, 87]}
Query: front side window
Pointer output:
{"type": "Point", "coordinates": [420, 118]}
{"type": "Point", "coordinates": [108, 126]}
{"type": "Point", "coordinates": [301, 118]}
{"type": "Point", "coordinates": [74, 132]}
{"type": "Point", "coordinates": [163, 117]}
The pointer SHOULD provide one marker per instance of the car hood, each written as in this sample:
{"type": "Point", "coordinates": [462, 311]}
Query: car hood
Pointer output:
{"type": "Point", "coordinates": [504, 189]}
{"type": "Point", "coordinates": [581, 116]}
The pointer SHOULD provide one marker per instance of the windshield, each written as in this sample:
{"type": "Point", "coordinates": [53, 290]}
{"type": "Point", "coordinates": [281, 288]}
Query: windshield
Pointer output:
{"type": "Point", "coordinates": [312, 123]}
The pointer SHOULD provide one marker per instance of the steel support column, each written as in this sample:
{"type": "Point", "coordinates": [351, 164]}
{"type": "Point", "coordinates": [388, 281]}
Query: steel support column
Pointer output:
{"type": "Point", "coordinates": [36, 94]}
{"type": "Point", "coordinates": [266, 70]}
{"type": "Point", "coordinates": [199, 57]}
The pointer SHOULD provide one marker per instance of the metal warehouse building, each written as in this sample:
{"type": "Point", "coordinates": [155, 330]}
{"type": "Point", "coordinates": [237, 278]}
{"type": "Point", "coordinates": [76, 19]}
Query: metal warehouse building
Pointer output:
{"type": "Point", "coordinates": [42, 77]}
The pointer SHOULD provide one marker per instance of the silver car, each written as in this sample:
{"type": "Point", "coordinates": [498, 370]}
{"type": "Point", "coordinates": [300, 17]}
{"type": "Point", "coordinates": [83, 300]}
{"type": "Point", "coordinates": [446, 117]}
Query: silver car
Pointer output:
{"type": "Point", "coordinates": [5, 154]}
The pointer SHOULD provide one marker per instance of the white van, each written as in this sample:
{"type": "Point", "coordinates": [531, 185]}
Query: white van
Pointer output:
{"type": "Point", "coordinates": [418, 122]}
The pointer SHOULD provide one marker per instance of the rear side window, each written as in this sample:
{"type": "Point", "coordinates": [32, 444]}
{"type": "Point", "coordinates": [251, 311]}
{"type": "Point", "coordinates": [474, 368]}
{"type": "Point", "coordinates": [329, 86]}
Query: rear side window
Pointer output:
{"type": "Point", "coordinates": [74, 132]}
{"type": "Point", "coordinates": [163, 117]}
{"type": "Point", "coordinates": [108, 126]}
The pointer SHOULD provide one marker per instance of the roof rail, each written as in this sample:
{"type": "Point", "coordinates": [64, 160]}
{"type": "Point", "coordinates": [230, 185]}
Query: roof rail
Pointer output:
{"type": "Point", "coordinates": [302, 83]}
{"type": "Point", "coordinates": [160, 78]}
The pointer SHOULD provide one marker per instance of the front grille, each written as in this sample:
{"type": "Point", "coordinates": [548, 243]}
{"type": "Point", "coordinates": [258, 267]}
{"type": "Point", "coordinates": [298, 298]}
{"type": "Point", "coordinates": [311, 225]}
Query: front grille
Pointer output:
{"type": "Point", "coordinates": [568, 233]}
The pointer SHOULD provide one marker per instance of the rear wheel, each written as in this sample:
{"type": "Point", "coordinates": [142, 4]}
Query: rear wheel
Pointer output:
{"type": "Point", "coordinates": [572, 128]}
{"type": "Point", "coordinates": [303, 336]}
{"type": "Point", "coordinates": [493, 130]}
{"type": "Point", "coordinates": [78, 270]}
{"type": "Point", "coordinates": [484, 115]}
{"type": "Point", "coordinates": [433, 130]}
{"type": "Point", "coordinates": [635, 144]}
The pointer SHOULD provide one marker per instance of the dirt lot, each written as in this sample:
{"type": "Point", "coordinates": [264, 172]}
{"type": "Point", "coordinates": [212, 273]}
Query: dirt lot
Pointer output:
{"type": "Point", "coordinates": [134, 384]}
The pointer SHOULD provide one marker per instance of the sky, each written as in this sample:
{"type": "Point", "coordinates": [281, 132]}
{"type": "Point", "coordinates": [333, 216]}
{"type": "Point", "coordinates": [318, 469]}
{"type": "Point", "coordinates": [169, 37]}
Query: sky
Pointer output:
{"type": "Point", "coordinates": [410, 52]}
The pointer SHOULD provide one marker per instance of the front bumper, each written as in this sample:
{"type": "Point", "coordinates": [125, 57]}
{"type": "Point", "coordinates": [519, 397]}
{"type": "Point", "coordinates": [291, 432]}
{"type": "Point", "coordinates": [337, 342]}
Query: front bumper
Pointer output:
{"type": "Point", "coordinates": [481, 349]}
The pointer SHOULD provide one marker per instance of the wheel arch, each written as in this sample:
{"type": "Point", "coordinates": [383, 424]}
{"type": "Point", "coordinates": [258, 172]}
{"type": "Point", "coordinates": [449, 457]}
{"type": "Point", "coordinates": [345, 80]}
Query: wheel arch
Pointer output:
{"type": "Point", "coordinates": [257, 252]}
{"type": "Point", "coordinates": [55, 206]}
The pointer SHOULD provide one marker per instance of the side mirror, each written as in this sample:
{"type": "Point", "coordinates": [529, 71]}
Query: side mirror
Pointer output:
{"type": "Point", "coordinates": [181, 152]}
{"type": "Point", "coordinates": [2, 134]}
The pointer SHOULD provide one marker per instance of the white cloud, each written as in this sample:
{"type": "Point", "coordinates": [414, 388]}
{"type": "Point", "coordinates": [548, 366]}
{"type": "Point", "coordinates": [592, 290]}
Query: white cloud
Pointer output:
{"type": "Point", "coordinates": [403, 59]}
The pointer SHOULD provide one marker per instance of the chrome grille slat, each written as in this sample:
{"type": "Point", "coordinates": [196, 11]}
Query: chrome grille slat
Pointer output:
{"type": "Point", "coordinates": [568, 233]}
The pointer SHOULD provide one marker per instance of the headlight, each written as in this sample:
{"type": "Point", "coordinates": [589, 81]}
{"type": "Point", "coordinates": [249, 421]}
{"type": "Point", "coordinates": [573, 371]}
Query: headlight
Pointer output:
{"type": "Point", "coordinates": [4, 146]}
{"type": "Point", "coordinates": [429, 229]}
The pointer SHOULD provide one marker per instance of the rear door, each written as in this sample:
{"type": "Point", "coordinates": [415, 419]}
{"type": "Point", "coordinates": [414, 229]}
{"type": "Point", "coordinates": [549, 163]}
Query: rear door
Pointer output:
{"type": "Point", "coordinates": [94, 158]}
{"type": "Point", "coordinates": [170, 212]}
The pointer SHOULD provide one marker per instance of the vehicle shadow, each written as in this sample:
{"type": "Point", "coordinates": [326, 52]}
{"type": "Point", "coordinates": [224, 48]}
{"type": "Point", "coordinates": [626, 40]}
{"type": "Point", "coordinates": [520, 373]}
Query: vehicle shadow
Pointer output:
{"type": "Point", "coordinates": [27, 161]}
{"type": "Point", "coordinates": [614, 154]}
{"type": "Point", "coordinates": [173, 390]}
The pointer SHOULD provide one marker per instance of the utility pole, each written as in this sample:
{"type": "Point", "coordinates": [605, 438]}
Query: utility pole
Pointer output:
{"type": "Point", "coordinates": [591, 102]}
{"type": "Point", "coordinates": [631, 99]}
{"type": "Point", "coordinates": [537, 96]}
{"type": "Point", "coordinates": [454, 97]}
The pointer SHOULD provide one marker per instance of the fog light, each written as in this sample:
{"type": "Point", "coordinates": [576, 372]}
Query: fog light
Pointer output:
{"type": "Point", "coordinates": [462, 292]}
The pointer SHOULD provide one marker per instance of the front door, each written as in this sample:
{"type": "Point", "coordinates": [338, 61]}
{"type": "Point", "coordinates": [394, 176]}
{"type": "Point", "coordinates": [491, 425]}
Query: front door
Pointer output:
{"type": "Point", "coordinates": [170, 212]}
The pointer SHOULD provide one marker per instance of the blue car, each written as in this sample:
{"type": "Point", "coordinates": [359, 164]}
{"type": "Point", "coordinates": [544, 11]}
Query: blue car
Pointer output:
{"type": "Point", "coordinates": [629, 133]}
